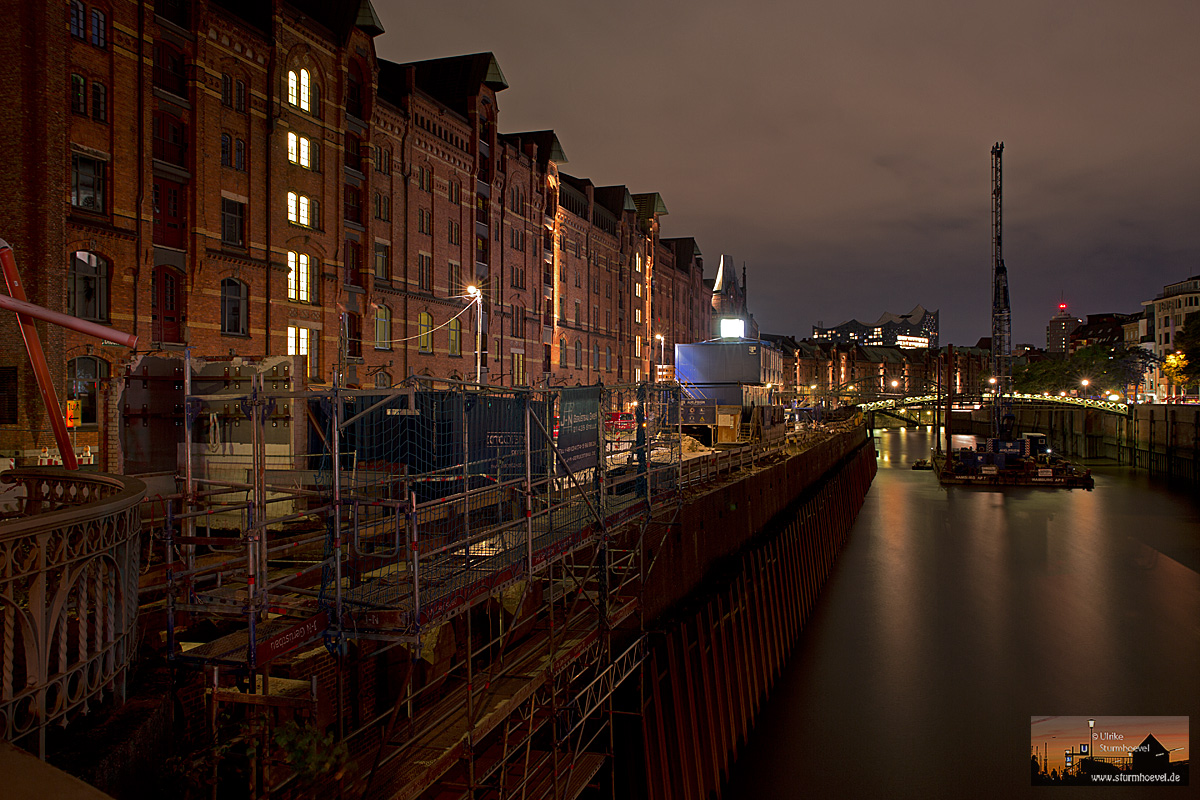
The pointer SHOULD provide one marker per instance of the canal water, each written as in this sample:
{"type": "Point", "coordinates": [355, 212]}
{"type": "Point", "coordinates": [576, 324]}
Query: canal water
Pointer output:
{"type": "Point", "coordinates": [956, 614]}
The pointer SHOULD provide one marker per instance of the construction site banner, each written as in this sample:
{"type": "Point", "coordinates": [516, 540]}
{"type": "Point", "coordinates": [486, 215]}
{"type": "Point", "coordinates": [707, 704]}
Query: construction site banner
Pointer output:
{"type": "Point", "coordinates": [578, 430]}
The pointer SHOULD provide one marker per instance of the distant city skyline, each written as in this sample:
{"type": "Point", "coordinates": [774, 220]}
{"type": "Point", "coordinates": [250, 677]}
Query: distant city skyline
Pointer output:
{"type": "Point", "coordinates": [842, 151]}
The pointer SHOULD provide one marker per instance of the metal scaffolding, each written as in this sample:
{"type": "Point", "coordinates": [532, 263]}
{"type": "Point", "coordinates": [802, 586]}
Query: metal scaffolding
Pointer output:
{"type": "Point", "coordinates": [512, 521]}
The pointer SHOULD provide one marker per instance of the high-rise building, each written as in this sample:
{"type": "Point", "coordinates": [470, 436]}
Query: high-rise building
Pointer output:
{"type": "Point", "coordinates": [1059, 329]}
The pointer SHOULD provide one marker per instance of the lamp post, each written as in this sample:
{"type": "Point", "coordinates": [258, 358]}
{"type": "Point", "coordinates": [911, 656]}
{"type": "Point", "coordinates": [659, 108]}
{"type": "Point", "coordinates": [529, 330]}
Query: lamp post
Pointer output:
{"type": "Point", "coordinates": [662, 358]}
{"type": "Point", "coordinates": [477, 298]}
{"type": "Point", "coordinates": [1092, 739]}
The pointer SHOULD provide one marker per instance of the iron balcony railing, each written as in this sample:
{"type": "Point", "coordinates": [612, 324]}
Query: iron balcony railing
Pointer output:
{"type": "Point", "coordinates": [68, 597]}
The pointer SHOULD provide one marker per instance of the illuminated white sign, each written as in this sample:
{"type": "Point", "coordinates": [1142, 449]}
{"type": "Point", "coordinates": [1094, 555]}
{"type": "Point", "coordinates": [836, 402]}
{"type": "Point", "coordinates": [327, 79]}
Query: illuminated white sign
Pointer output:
{"type": "Point", "coordinates": [733, 328]}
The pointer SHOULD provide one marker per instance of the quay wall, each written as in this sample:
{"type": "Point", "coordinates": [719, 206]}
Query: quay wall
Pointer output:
{"type": "Point", "coordinates": [715, 656]}
{"type": "Point", "coordinates": [1162, 439]}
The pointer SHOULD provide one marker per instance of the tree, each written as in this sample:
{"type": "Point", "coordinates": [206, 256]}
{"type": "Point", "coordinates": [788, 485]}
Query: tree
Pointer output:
{"type": "Point", "coordinates": [1187, 344]}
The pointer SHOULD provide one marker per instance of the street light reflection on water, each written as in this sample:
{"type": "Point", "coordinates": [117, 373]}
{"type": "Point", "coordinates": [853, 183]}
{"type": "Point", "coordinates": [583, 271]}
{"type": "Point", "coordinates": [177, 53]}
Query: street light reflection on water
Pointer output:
{"type": "Point", "coordinates": [954, 614]}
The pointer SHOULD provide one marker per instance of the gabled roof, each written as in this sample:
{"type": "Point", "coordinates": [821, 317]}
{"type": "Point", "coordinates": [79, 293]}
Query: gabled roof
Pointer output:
{"type": "Point", "coordinates": [649, 204]}
{"type": "Point", "coordinates": [340, 16]}
{"type": "Point", "coordinates": [451, 80]}
{"type": "Point", "coordinates": [548, 146]}
{"type": "Point", "coordinates": [368, 20]}
{"type": "Point", "coordinates": [616, 199]}
{"type": "Point", "coordinates": [686, 249]}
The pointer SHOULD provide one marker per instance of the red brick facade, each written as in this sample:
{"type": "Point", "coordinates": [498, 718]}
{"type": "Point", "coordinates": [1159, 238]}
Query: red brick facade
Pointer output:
{"type": "Point", "coordinates": [249, 179]}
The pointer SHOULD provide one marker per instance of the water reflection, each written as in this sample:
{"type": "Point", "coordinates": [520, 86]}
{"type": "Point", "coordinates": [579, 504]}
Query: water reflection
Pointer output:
{"type": "Point", "coordinates": [955, 614]}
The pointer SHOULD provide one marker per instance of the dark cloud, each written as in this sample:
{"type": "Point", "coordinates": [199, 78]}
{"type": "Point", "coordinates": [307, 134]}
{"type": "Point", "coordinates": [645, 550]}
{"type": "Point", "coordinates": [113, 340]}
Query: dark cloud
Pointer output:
{"type": "Point", "coordinates": [842, 149]}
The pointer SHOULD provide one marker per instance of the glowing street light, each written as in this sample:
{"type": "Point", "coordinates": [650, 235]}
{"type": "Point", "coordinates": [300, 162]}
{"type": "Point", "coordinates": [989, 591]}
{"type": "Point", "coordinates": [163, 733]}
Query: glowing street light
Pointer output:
{"type": "Point", "coordinates": [477, 298]}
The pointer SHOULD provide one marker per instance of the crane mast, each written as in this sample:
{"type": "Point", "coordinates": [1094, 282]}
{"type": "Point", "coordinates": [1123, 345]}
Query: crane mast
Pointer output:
{"type": "Point", "coordinates": [1002, 418]}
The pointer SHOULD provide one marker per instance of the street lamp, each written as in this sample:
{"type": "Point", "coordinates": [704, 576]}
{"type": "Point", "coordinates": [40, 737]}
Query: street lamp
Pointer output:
{"type": "Point", "coordinates": [662, 358]}
{"type": "Point", "coordinates": [477, 298]}
{"type": "Point", "coordinates": [1092, 739]}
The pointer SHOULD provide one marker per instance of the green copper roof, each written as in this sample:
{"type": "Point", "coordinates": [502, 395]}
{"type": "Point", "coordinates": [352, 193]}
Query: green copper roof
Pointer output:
{"type": "Point", "coordinates": [494, 78]}
{"type": "Point", "coordinates": [650, 204]}
{"type": "Point", "coordinates": [368, 20]}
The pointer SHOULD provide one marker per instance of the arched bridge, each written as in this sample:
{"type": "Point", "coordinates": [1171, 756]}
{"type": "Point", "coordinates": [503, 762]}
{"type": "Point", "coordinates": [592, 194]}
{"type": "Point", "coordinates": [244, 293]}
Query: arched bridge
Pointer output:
{"type": "Point", "coordinates": [1110, 406]}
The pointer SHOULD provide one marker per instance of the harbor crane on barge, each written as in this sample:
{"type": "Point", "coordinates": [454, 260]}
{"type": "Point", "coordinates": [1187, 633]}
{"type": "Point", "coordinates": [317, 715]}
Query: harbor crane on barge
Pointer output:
{"type": "Point", "coordinates": [1002, 416]}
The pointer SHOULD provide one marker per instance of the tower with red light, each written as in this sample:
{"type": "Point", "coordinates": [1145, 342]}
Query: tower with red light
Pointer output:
{"type": "Point", "coordinates": [1058, 331]}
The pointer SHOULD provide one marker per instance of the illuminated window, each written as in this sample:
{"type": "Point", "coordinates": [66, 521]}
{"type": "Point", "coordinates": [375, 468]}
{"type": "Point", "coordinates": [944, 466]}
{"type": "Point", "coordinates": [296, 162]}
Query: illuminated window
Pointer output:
{"type": "Point", "coordinates": [383, 328]}
{"type": "Point", "coordinates": [293, 88]}
{"type": "Point", "coordinates": [306, 153]}
{"type": "Point", "coordinates": [293, 148]}
{"type": "Point", "coordinates": [305, 101]}
{"type": "Point", "coordinates": [299, 277]}
{"type": "Point", "coordinates": [305, 211]}
{"type": "Point", "coordinates": [456, 337]}
{"type": "Point", "coordinates": [425, 332]}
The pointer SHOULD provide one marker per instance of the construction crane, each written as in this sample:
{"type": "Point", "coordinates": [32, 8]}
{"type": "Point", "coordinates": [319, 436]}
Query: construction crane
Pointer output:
{"type": "Point", "coordinates": [1002, 417]}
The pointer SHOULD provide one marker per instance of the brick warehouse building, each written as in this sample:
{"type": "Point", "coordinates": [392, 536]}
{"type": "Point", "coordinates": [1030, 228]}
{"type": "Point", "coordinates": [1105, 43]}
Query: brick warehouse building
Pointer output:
{"type": "Point", "coordinates": [249, 180]}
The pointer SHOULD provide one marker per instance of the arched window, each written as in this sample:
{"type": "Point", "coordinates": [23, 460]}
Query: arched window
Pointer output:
{"type": "Point", "coordinates": [425, 332]}
{"type": "Point", "coordinates": [301, 210]}
{"type": "Point", "coordinates": [299, 277]}
{"type": "Point", "coordinates": [226, 150]}
{"type": "Point", "coordinates": [578, 354]}
{"type": "Point", "coordinates": [99, 29]}
{"type": "Point", "coordinates": [87, 286]}
{"type": "Point", "coordinates": [293, 92]}
{"type": "Point", "coordinates": [382, 380]}
{"type": "Point", "coordinates": [383, 328]}
{"type": "Point", "coordinates": [608, 359]}
{"type": "Point", "coordinates": [456, 337]}
{"type": "Point", "coordinates": [595, 356]}
{"type": "Point", "coordinates": [234, 307]}
{"type": "Point", "coordinates": [293, 147]}
{"type": "Point", "coordinates": [562, 352]}
{"type": "Point", "coordinates": [78, 20]}
{"type": "Point", "coordinates": [305, 91]}
{"type": "Point", "coordinates": [84, 375]}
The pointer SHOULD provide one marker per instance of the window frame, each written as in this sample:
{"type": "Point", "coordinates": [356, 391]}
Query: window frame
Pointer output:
{"type": "Point", "coordinates": [235, 307]}
{"type": "Point", "coordinates": [424, 332]}
{"type": "Point", "coordinates": [383, 323]}
{"type": "Point", "coordinates": [98, 270]}
{"type": "Point", "coordinates": [98, 29]}
{"type": "Point", "coordinates": [97, 184]}
{"type": "Point", "coordinates": [231, 211]}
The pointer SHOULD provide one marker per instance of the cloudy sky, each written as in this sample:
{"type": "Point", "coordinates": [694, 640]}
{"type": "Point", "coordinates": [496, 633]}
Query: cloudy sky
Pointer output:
{"type": "Point", "coordinates": [843, 150]}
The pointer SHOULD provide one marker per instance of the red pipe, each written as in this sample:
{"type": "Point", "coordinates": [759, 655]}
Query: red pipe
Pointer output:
{"type": "Point", "coordinates": [66, 320]}
{"type": "Point", "coordinates": [26, 312]}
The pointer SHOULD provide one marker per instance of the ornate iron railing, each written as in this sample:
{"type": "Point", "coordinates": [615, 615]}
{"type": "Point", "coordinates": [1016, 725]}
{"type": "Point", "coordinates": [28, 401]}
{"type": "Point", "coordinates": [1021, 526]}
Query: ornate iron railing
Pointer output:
{"type": "Point", "coordinates": [68, 597]}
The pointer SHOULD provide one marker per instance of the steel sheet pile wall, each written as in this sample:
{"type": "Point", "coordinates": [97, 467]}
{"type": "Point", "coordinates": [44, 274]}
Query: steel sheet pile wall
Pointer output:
{"type": "Point", "coordinates": [1163, 439]}
{"type": "Point", "coordinates": [708, 675]}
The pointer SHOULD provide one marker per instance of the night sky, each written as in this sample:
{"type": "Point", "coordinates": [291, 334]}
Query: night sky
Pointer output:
{"type": "Point", "coordinates": [842, 150]}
